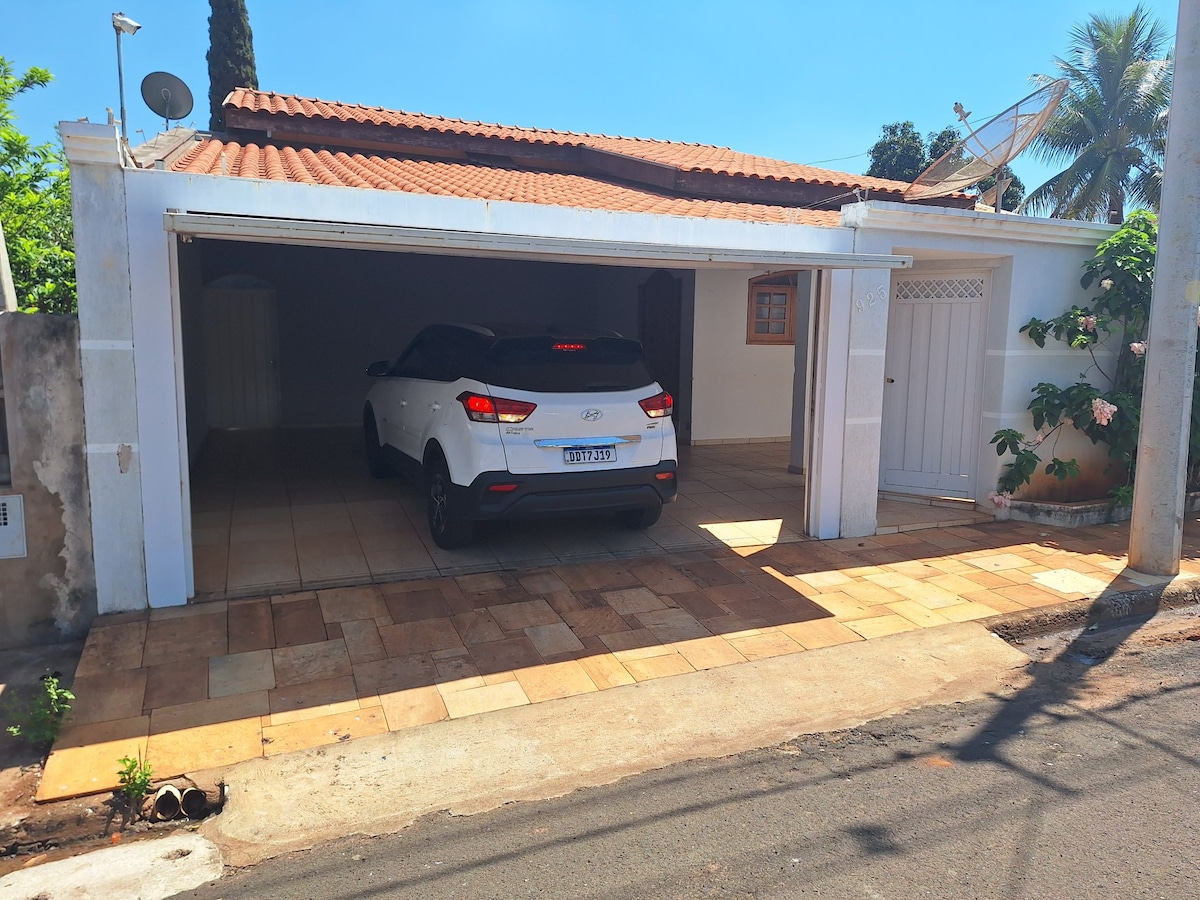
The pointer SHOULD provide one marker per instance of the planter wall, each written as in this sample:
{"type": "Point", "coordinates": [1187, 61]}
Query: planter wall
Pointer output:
{"type": "Point", "coordinates": [1077, 515]}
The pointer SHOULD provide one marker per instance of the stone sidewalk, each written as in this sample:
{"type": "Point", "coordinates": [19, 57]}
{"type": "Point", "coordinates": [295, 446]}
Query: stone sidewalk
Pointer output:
{"type": "Point", "coordinates": [212, 684]}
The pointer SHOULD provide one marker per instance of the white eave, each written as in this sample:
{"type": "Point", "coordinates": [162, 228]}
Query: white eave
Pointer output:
{"type": "Point", "coordinates": [881, 215]}
{"type": "Point", "coordinates": [512, 246]}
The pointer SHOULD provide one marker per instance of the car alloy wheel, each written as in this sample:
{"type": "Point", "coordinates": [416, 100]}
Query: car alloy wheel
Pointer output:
{"type": "Point", "coordinates": [446, 527]}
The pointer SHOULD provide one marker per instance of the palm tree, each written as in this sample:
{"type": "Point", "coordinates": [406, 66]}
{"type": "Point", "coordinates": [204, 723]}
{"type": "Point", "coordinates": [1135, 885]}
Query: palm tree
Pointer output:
{"type": "Point", "coordinates": [1112, 124]}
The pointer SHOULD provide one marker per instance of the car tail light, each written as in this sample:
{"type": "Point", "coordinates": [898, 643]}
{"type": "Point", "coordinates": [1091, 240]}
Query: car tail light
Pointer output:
{"type": "Point", "coordinates": [481, 408]}
{"type": "Point", "coordinates": [664, 476]}
{"type": "Point", "coordinates": [502, 488]}
{"type": "Point", "coordinates": [562, 346]}
{"type": "Point", "coordinates": [657, 406]}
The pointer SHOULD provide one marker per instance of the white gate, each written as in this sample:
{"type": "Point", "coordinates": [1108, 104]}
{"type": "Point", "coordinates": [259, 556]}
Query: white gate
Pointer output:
{"type": "Point", "coordinates": [931, 414]}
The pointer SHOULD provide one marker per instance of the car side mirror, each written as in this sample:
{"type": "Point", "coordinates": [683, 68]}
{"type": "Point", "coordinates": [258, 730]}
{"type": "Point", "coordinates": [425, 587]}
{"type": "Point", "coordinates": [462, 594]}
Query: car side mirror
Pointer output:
{"type": "Point", "coordinates": [379, 368]}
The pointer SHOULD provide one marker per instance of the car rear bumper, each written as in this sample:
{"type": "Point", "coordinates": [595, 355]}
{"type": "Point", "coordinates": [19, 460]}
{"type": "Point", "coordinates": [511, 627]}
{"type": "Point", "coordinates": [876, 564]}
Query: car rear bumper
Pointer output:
{"type": "Point", "coordinates": [564, 493]}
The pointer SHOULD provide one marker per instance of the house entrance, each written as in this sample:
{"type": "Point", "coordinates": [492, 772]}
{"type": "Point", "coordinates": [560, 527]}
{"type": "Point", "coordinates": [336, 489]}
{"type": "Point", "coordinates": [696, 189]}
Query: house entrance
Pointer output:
{"type": "Point", "coordinates": [931, 410]}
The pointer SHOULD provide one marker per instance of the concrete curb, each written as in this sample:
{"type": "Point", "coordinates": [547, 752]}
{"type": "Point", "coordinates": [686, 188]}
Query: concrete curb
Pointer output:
{"type": "Point", "coordinates": [1108, 607]}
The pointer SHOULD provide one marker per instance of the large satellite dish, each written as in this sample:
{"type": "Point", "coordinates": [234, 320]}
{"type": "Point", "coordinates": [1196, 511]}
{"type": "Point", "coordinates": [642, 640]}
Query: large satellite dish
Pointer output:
{"type": "Point", "coordinates": [994, 144]}
{"type": "Point", "coordinates": [167, 95]}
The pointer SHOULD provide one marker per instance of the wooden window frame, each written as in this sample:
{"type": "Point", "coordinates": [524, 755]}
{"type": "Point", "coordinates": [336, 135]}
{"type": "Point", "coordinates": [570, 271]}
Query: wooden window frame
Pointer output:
{"type": "Point", "coordinates": [773, 282]}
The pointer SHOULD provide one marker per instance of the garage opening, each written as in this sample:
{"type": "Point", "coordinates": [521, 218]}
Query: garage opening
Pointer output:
{"type": "Point", "coordinates": [276, 339]}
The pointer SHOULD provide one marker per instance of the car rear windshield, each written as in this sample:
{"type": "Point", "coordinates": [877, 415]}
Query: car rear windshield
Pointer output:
{"type": "Point", "coordinates": [566, 365]}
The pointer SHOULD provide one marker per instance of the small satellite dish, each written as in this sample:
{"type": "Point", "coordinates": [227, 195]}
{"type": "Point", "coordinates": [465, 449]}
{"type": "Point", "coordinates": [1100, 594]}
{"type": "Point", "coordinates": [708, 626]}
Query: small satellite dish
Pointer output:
{"type": "Point", "coordinates": [985, 149]}
{"type": "Point", "coordinates": [167, 95]}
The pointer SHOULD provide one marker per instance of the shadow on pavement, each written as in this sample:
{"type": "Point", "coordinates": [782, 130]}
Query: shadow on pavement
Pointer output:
{"type": "Point", "coordinates": [1056, 681]}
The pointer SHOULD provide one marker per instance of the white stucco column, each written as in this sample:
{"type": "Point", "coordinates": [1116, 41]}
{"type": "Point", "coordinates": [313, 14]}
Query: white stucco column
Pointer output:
{"type": "Point", "coordinates": [824, 482]}
{"type": "Point", "coordinates": [1156, 532]}
{"type": "Point", "coordinates": [107, 361]}
{"type": "Point", "coordinates": [8, 293]}
{"type": "Point", "coordinates": [868, 303]}
{"type": "Point", "coordinates": [843, 482]}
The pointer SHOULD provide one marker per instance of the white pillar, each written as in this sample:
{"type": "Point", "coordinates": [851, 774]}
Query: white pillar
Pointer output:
{"type": "Point", "coordinates": [8, 293]}
{"type": "Point", "coordinates": [1156, 532]}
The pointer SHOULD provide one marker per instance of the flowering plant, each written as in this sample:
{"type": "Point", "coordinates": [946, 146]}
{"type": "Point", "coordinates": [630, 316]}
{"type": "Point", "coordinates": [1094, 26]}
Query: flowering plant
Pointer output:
{"type": "Point", "coordinates": [1108, 412]}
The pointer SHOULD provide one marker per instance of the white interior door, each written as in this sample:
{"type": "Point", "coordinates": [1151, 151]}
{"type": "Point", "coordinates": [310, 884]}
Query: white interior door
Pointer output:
{"type": "Point", "coordinates": [931, 415]}
{"type": "Point", "coordinates": [241, 358]}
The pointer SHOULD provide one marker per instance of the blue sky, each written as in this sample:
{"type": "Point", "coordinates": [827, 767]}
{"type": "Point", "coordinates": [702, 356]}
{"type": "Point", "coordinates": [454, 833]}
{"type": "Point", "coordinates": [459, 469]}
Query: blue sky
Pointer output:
{"type": "Point", "coordinates": [806, 81]}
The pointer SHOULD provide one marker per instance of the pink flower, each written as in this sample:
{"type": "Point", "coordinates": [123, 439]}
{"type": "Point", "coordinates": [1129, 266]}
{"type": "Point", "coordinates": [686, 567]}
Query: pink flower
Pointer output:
{"type": "Point", "coordinates": [1106, 284]}
{"type": "Point", "coordinates": [1037, 440]}
{"type": "Point", "coordinates": [1138, 348]}
{"type": "Point", "coordinates": [1000, 500]}
{"type": "Point", "coordinates": [1087, 323]}
{"type": "Point", "coordinates": [1102, 411]}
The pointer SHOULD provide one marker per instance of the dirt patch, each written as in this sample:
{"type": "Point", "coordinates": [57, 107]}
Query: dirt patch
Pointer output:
{"type": "Point", "coordinates": [32, 833]}
{"type": "Point", "coordinates": [36, 833]}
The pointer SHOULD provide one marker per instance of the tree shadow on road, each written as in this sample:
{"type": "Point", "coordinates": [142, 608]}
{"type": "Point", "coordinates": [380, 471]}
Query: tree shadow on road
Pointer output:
{"type": "Point", "coordinates": [1057, 681]}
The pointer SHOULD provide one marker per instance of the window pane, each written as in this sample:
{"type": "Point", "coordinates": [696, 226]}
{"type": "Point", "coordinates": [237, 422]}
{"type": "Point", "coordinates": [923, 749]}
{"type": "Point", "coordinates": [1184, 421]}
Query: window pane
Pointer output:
{"type": "Point", "coordinates": [778, 312]}
{"type": "Point", "coordinates": [760, 327]}
{"type": "Point", "coordinates": [763, 297]}
{"type": "Point", "coordinates": [779, 299]}
{"type": "Point", "coordinates": [776, 328]}
{"type": "Point", "coordinates": [762, 312]}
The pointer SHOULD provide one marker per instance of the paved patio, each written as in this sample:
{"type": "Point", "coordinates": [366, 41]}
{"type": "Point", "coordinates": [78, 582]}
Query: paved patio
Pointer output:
{"type": "Point", "coordinates": [210, 684]}
{"type": "Point", "coordinates": [289, 510]}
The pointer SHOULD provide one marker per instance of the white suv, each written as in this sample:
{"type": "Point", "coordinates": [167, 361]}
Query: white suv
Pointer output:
{"type": "Point", "coordinates": [508, 422]}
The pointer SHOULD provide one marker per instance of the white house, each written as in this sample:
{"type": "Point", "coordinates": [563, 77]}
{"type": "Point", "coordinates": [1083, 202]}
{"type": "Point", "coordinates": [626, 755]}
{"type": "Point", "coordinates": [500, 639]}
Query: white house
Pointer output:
{"type": "Point", "coordinates": [243, 280]}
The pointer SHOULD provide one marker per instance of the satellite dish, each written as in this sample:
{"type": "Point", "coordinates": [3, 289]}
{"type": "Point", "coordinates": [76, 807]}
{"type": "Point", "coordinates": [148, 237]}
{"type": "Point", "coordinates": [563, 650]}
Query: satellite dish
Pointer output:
{"type": "Point", "coordinates": [167, 95]}
{"type": "Point", "coordinates": [994, 144]}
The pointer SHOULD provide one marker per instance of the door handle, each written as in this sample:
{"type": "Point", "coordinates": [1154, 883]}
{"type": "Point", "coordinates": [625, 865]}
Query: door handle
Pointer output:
{"type": "Point", "coordinates": [889, 380]}
{"type": "Point", "coordinates": [435, 406]}
{"type": "Point", "coordinates": [404, 403]}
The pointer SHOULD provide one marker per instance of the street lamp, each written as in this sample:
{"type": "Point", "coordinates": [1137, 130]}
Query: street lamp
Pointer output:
{"type": "Point", "coordinates": [122, 24]}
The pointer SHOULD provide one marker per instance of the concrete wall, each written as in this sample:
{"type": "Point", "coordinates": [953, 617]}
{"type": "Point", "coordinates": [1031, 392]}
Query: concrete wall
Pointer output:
{"type": "Point", "coordinates": [50, 594]}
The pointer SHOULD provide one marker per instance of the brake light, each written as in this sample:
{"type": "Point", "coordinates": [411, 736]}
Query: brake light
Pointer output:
{"type": "Point", "coordinates": [657, 406]}
{"type": "Point", "coordinates": [480, 408]}
{"type": "Point", "coordinates": [568, 346]}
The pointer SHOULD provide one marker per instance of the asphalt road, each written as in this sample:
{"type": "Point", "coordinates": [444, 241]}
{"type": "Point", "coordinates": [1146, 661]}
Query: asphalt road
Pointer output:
{"type": "Point", "coordinates": [1083, 781]}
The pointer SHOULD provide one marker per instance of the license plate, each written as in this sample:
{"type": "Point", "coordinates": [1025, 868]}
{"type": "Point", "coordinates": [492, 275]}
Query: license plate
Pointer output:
{"type": "Point", "coordinates": [573, 455]}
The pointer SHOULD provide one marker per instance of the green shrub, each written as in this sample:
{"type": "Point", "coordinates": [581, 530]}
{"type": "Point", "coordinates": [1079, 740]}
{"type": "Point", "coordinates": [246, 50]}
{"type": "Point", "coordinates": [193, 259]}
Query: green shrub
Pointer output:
{"type": "Point", "coordinates": [38, 720]}
{"type": "Point", "coordinates": [1105, 404]}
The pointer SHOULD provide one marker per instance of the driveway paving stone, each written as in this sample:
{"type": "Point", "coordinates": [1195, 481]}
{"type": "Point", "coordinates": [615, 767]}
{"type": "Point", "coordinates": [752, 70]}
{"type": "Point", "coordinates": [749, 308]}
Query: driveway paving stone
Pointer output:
{"type": "Point", "coordinates": [209, 683]}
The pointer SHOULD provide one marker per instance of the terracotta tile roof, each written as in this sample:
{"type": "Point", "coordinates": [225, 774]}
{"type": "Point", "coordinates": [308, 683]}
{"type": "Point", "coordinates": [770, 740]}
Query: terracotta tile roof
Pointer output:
{"type": "Point", "coordinates": [687, 157]}
{"type": "Point", "coordinates": [381, 171]}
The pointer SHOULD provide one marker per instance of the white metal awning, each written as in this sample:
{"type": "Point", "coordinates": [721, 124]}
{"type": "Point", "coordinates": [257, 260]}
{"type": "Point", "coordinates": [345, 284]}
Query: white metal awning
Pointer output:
{"type": "Point", "coordinates": [511, 246]}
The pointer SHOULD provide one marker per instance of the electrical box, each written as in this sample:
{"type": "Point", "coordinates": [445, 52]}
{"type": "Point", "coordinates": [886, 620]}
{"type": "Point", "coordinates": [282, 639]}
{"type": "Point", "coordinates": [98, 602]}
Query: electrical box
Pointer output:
{"type": "Point", "coordinates": [12, 526]}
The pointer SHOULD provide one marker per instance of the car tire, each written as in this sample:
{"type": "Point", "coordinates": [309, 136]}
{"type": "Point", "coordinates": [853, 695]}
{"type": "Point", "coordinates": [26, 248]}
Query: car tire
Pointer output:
{"type": "Point", "coordinates": [447, 527]}
{"type": "Point", "coordinates": [377, 463]}
{"type": "Point", "coordinates": [638, 519]}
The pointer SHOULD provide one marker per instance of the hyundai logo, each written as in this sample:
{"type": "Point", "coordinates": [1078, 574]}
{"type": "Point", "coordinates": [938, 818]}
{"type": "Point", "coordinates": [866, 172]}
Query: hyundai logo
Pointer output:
{"type": "Point", "coordinates": [591, 415]}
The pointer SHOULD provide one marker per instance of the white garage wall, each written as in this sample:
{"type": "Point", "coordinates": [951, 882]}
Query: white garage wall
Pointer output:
{"type": "Point", "coordinates": [740, 391]}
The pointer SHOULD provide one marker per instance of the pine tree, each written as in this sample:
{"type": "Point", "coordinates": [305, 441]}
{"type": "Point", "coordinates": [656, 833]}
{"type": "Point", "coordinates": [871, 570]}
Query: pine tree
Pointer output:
{"type": "Point", "coordinates": [230, 56]}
